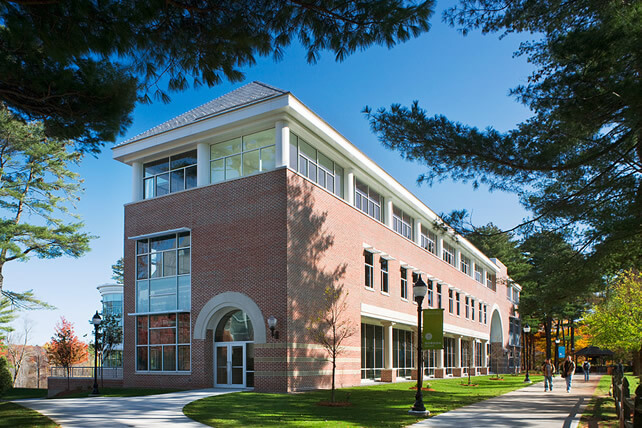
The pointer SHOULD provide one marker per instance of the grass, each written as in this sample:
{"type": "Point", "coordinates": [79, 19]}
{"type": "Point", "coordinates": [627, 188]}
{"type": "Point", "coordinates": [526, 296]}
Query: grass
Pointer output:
{"type": "Point", "coordinates": [22, 393]}
{"type": "Point", "coordinates": [600, 411]}
{"type": "Point", "coordinates": [14, 415]}
{"type": "Point", "coordinates": [384, 405]}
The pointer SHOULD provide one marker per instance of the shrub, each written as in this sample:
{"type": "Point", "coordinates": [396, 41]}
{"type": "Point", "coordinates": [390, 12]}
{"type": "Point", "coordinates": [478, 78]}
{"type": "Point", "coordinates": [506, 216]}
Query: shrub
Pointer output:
{"type": "Point", "coordinates": [6, 380]}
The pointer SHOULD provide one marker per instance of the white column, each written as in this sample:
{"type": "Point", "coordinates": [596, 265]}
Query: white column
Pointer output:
{"type": "Point", "coordinates": [348, 187]}
{"type": "Point", "coordinates": [484, 344]}
{"type": "Point", "coordinates": [417, 231]}
{"type": "Point", "coordinates": [137, 181]}
{"type": "Point", "coordinates": [282, 143]}
{"type": "Point", "coordinates": [387, 216]}
{"type": "Point", "coordinates": [440, 245]}
{"type": "Point", "coordinates": [387, 345]}
{"type": "Point", "coordinates": [458, 351]}
{"type": "Point", "coordinates": [439, 363]}
{"type": "Point", "coordinates": [202, 164]}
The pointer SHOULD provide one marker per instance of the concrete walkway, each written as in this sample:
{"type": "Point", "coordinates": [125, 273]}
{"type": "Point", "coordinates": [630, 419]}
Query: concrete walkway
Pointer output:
{"type": "Point", "coordinates": [527, 407]}
{"type": "Point", "coordinates": [147, 411]}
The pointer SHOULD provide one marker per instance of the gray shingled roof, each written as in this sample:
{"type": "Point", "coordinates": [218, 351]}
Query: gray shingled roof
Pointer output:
{"type": "Point", "coordinates": [246, 94]}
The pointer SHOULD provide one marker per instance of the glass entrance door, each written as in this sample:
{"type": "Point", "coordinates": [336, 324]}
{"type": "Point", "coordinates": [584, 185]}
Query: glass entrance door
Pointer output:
{"type": "Point", "coordinates": [230, 365]}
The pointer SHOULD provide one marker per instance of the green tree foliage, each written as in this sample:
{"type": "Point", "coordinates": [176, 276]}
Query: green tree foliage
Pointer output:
{"type": "Point", "coordinates": [80, 65]}
{"type": "Point", "coordinates": [111, 335]}
{"type": "Point", "coordinates": [577, 161]}
{"type": "Point", "coordinates": [616, 321]}
{"type": "Point", "coordinates": [7, 315]}
{"type": "Point", "coordinates": [6, 380]}
{"type": "Point", "coordinates": [503, 246]}
{"type": "Point", "coordinates": [37, 187]}
{"type": "Point", "coordinates": [118, 271]}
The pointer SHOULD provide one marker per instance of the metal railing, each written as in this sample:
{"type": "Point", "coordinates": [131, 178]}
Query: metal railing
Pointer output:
{"type": "Point", "coordinates": [629, 410]}
{"type": "Point", "coordinates": [88, 372]}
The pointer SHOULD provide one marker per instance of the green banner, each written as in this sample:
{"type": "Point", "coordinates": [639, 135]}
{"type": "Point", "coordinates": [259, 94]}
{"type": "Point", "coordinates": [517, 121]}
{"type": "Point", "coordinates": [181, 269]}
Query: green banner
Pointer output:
{"type": "Point", "coordinates": [433, 329]}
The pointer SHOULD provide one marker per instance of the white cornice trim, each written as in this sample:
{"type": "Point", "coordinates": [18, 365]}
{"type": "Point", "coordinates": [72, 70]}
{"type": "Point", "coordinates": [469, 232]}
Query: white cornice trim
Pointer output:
{"type": "Point", "coordinates": [164, 232]}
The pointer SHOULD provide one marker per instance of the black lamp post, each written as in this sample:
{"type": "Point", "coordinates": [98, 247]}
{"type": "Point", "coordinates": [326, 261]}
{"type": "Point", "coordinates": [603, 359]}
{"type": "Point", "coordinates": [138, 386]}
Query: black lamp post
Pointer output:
{"type": "Point", "coordinates": [527, 330]}
{"type": "Point", "coordinates": [96, 322]}
{"type": "Point", "coordinates": [419, 289]}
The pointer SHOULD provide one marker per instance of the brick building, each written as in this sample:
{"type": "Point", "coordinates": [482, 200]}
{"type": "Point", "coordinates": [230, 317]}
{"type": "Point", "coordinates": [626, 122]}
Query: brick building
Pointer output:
{"type": "Point", "coordinates": [245, 208]}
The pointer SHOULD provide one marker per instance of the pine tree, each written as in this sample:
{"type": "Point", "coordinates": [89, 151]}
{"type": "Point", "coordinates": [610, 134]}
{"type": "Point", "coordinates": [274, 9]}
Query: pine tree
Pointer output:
{"type": "Point", "coordinates": [37, 190]}
{"type": "Point", "coordinates": [118, 271]}
{"type": "Point", "coordinates": [81, 65]}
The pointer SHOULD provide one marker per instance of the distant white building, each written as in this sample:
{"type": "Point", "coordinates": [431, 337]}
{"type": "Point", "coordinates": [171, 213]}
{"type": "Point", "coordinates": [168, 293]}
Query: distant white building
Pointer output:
{"type": "Point", "coordinates": [112, 300]}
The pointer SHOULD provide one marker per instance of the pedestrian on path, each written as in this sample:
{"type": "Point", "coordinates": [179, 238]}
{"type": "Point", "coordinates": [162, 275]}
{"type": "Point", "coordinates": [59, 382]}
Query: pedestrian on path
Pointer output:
{"type": "Point", "coordinates": [587, 368]}
{"type": "Point", "coordinates": [548, 369]}
{"type": "Point", "coordinates": [567, 372]}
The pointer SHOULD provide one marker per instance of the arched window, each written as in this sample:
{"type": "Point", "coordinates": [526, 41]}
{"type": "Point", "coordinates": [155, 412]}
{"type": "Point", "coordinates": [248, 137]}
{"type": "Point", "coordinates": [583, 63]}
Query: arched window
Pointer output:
{"type": "Point", "coordinates": [234, 327]}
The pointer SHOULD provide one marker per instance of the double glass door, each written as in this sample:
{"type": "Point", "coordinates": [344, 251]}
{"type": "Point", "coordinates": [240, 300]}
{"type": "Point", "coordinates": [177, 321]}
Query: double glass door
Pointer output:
{"type": "Point", "coordinates": [230, 365]}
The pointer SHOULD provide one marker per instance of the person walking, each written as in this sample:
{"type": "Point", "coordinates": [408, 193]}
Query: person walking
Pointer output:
{"type": "Point", "coordinates": [567, 372]}
{"type": "Point", "coordinates": [548, 370]}
{"type": "Point", "coordinates": [586, 367]}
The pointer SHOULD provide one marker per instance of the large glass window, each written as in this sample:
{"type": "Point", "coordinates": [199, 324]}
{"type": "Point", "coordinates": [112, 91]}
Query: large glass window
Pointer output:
{"type": "Point", "coordinates": [401, 223]}
{"type": "Point", "coordinates": [465, 265]}
{"type": "Point", "coordinates": [478, 355]}
{"type": "Point", "coordinates": [404, 283]}
{"type": "Point", "coordinates": [448, 253]}
{"type": "Point", "coordinates": [491, 281]}
{"type": "Point", "coordinates": [466, 356]}
{"type": "Point", "coordinates": [163, 273]}
{"type": "Point", "coordinates": [163, 342]}
{"type": "Point", "coordinates": [479, 274]}
{"type": "Point", "coordinates": [367, 200]}
{"type": "Point", "coordinates": [371, 351]}
{"type": "Point", "coordinates": [368, 259]}
{"type": "Point", "coordinates": [403, 353]}
{"type": "Point", "coordinates": [316, 166]}
{"type": "Point", "coordinates": [449, 354]}
{"type": "Point", "coordinates": [384, 275]}
{"type": "Point", "coordinates": [168, 175]}
{"type": "Point", "coordinates": [236, 326]}
{"type": "Point", "coordinates": [243, 156]}
{"type": "Point", "coordinates": [428, 240]}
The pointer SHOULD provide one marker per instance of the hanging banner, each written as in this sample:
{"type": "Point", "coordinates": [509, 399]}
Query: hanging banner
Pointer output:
{"type": "Point", "coordinates": [561, 351]}
{"type": "Point", "coordinates": [433, 329]}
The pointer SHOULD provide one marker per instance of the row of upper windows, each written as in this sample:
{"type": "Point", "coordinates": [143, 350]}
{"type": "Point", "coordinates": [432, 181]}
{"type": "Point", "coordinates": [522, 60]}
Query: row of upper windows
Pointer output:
{"type": "Point", "coordinates": [256, 152]}
{"type": "Point", "coordinates": [434, 294]}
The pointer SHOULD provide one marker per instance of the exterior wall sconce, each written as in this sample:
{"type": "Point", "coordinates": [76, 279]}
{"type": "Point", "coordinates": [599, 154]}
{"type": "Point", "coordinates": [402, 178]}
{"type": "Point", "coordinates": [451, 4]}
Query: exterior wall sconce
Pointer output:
{"type": "Point", "coordinates": [272, 325]}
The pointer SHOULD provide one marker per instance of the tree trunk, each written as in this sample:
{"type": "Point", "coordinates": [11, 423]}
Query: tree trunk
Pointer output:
{"type": "Point", "coordinates": [637, 362]}
{"type": "Point", "coordinates": [334, 367]}
{"type": "Point", "coordinates": [572, 327]}
{"type": "Point", "coordinates": [548, 326]}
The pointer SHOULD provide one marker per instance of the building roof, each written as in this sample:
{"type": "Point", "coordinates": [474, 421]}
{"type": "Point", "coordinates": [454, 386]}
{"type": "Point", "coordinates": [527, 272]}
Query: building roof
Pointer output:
{"type": "Point", "coordinates": [245, 95]}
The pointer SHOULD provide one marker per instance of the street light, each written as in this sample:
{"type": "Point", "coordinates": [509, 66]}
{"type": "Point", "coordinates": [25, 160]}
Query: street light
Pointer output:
{"type": "Point", "coordinates": [527, 329]}
{"type": "Point", "coordinates": [557, 344]}
{"type": "Point", "coordinates": [419, 289]}
{"type": "Point", "coordinates": [96, 321]}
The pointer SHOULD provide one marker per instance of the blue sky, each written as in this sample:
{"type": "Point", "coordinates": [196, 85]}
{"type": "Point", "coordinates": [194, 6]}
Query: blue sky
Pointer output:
{"type": "Point", "coordinates": [465, 78]}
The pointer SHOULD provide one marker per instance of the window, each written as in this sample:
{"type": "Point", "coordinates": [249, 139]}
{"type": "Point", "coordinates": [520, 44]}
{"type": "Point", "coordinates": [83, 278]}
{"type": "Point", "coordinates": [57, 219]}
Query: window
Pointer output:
{"type": "Point", "coordinates": [401, 222]}
{"type": "Point", "coordinates": [449, 354]}
{"type": "Point", "coordinates": [163, 282]}
{"type": "Point", "coordinates": [369, 264]}
{"type": "Point", "coordinates": [485, 319]}
{"type": "Point", "coordinates": [479, 274]}
{"type": "Point", "coordinates": [472, 309]}
{"type": "Point", "coordinates": [404, 283]}
{"type": "Point", "coordinates": [384, 275]}
{"type": "Point", "coordinates": [169, 175]}
{"type": "Point", "coordinates": [242, 156]}
{"type": "Point", "coordinates": [448, 253]}
{"type": "Point", "coordinates": [458, 307]}
{"type": "Point", "coordinates": [481, 320]}
{"type": "Point", "coordinates": [367, 200]}
{"type": "Point", "coordinates": [516, 296]}
{"type": "Point", "coordinates": [316, 166]}
{"type": "Point", "coordinates": [428, 240]}
{"type": "Point", "coordinates": [439, 296]}
{"type": "Point", "coordinates": [465, 265]}
{"type": "Point", "coordinates": [467, 305]}
{"type": "Point", "coordinates": [430, 294]}
{"type": "Point", "coordinates": [478, 355]}
{"type": "Point", "coordinates": [403, 352]}
{"type": "Point", "coordinates": [514, 330]}
{"type": "Point", "coordinates": [163, 342]}
{"type": "Point", "coordinates": [371, 351]}
{"type": "Point", "coordinates": [451, 302]}
{"type": "Point", "coordinates": [491, 281]}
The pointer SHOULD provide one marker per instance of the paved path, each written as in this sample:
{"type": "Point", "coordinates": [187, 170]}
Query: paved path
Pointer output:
{"type": "Point", "coordinates": [527, 407]}
{"type": "Point", "coordinates": [148, 411]}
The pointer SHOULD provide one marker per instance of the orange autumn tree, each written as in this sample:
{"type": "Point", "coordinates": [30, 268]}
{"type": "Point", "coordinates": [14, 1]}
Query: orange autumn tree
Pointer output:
{"type": "Point", "coordinates": [65, 349]}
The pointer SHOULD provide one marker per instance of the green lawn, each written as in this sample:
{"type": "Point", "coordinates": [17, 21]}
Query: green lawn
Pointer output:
{"type": "Point", "coordinates": [600, 411]}
{"type": "Point", "coordinates": [384, 405]}
{"type": "Point", "coordinates": [22, 393]}
{"type": "Point", "coordinates": [13, 415]}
